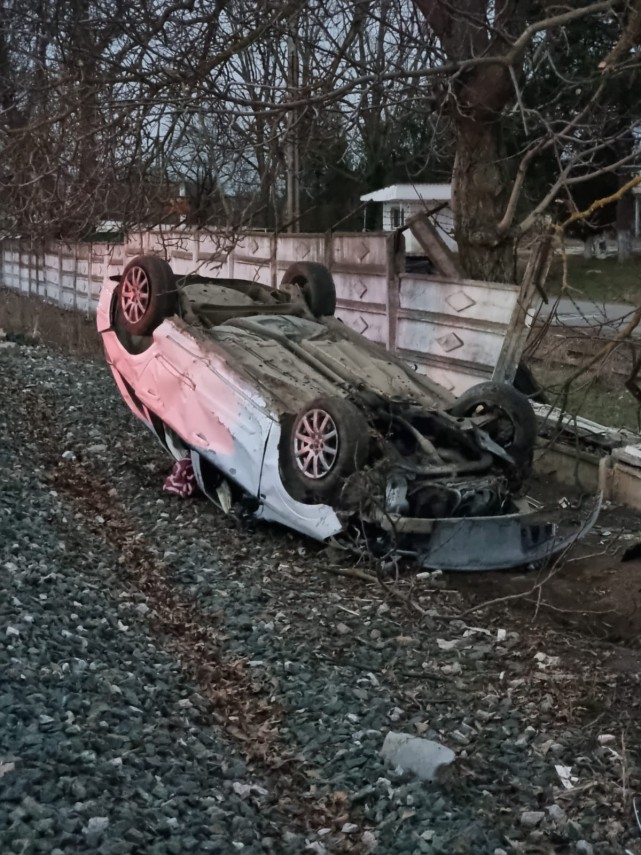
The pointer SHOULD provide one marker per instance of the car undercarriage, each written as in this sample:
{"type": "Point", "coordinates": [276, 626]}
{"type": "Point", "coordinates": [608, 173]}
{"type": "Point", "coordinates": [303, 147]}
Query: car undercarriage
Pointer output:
{"type": "Point", "coordinates": [323, 430]}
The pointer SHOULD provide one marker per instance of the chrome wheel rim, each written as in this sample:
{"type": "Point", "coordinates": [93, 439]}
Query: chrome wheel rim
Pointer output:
{"type": "Point", "coordinates": [316, 444]}
{"type": "Point", "coordinates": [135, 294]}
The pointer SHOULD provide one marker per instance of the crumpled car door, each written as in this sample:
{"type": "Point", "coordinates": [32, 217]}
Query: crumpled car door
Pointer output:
{"type": "Point", "coordinates": [197, 394]}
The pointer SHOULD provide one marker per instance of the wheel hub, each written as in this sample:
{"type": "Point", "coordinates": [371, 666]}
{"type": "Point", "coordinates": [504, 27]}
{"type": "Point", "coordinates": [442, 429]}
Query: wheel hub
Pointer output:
{"type": "Point", "coordinates": [315, 444]}
{"type": "Point", "coordinates": [135, 294]}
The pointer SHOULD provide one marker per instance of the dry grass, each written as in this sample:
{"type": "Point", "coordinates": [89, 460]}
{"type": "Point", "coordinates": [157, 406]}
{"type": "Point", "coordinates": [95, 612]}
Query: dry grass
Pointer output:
{"type": "Point", "coordinates": [48, 324]}
{"type": "Point", "coordinates": [601, 398]}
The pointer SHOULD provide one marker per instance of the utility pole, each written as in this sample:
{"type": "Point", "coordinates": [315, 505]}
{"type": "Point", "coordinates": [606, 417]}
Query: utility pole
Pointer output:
{"type": "Point", "coordinates": [292, 143]}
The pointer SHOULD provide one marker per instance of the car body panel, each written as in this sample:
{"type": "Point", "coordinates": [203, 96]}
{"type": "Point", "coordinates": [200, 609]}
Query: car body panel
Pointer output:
{"type": "Point", "coordinates": [491, 543]}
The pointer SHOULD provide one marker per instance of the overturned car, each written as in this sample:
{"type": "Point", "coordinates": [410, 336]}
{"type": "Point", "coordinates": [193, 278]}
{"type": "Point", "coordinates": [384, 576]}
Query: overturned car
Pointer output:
{"type": "Point", "coordinates": [282, 407]}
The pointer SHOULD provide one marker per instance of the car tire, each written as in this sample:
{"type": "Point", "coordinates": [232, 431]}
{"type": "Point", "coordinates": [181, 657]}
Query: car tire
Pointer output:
{"type": "Point", "coordinates": [516, 429]}
{"type": "Point", "coordinates": [146, 294]}
{"type": "Point", "coordinates": [321, 446]}
{"type": "Point", "coordinates": [316, 286]}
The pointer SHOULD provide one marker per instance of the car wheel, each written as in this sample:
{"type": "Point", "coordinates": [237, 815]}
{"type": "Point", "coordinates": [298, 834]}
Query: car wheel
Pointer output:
{"type": "Point", "coordinates": [147, 294]}
{"type": "Point", "coordinates": [314, 283]}
{"type": "Point", "coordinates": [512, 423]}
{"type": "Point", "coordinates": [324, 444]}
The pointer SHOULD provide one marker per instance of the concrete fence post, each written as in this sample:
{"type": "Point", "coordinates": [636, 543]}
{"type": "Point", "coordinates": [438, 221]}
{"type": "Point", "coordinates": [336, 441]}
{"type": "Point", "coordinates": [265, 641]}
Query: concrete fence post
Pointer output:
{"type": "Point", "coordinates": [395, 264]}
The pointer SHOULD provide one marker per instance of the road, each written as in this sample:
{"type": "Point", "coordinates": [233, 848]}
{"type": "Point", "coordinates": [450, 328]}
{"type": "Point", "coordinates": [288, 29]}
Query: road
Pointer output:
{"type": "Point", "coordinates": [608, 317]}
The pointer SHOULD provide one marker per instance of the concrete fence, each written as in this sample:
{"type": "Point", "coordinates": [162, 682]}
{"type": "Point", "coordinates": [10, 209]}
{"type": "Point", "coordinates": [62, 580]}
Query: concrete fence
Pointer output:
{"type": "Point", "coordinates": [453, 329]}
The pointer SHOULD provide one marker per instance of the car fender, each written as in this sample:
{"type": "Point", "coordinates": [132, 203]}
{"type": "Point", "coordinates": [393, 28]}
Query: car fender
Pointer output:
{"type": "Point", "coordinates": [103, 312]}
{"type": "Point", "coordinates": [317, 521]}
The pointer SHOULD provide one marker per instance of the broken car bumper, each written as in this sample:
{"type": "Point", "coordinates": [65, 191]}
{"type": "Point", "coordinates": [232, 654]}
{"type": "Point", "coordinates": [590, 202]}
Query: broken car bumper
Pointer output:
{"type": "Point", "coordinates": [485, 543]}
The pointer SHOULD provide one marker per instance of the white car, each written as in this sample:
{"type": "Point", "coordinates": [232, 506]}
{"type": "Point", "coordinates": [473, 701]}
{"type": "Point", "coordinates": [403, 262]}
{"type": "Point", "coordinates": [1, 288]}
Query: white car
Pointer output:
{"type": "Point", "coordinates": [282, 407]}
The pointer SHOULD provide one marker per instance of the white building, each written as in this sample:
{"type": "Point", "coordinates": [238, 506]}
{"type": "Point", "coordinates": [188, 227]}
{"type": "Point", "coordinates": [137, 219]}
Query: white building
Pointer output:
{"type": "Point", "coordinates": [402, 201]}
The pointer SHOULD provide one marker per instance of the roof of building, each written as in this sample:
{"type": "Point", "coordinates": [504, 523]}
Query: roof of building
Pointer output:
{"type": "Point", "coordinates": [410, 193]}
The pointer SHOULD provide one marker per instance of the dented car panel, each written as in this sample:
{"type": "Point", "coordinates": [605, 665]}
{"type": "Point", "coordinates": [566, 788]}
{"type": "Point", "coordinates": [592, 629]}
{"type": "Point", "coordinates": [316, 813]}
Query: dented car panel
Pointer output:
{"type": "Point", "coordinates": [188, 387]}
{"type": "Point", "coordinates": [280, 405]}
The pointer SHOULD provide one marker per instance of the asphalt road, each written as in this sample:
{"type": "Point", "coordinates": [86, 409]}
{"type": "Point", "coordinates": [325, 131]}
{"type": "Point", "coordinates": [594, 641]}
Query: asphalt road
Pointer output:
{"type": "Point", "coordinates": [587, 313]}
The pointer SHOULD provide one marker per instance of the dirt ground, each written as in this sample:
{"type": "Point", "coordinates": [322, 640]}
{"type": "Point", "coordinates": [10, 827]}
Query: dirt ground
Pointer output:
{"type": "Point", "coordinates": [594, 590]}
{"type": "Point", "coordinates": [33, 319]}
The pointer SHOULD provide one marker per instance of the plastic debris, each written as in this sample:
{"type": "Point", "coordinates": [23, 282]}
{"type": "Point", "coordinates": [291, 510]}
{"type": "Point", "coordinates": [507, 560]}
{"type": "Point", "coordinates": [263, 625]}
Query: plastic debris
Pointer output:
{"type": "Point", "coordinates": [568, 780]}
{"type": "Point", "coordinates": [415, 754]}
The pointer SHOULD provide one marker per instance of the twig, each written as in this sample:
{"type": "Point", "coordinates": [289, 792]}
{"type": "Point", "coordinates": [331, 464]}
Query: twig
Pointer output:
{"type": "Point", "coordinates": [389, 589]}
{"type": "Point", "coordinates": [424, 675]}
{"type": "Point", "coordinates": [567, 794]}
{"type": "Point", "coordinates": [348, 611]}
{"type": "Point", "coordinates": [622, 334]}
{"type": "Point", "coordinates": [624, 768]}
{"type": "Point", "coordinates": [542, 603]}
{"type": "Point", "coordinates": [519, 99]}
{"type": "Point", "coordinates": [523, 594]}
{"type": "Point", "coordinates": [352, 572]}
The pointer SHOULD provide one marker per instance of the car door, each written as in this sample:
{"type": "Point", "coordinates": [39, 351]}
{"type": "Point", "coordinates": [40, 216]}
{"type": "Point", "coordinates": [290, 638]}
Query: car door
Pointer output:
{"type": "Point", "coordinates": [191, 386]}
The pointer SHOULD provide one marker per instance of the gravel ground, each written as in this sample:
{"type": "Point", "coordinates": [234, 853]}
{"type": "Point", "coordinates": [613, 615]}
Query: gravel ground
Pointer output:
{"type": "Point", "coordinates": [173, 680]}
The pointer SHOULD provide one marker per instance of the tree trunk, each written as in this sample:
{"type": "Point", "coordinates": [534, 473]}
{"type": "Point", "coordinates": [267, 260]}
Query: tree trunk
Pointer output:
{"type": "Point", "coordinates": [479, 196]}
{"type": "Point", "coordinates": [624, 244]}
{"type": "Point", "coordinates": [624, 222]}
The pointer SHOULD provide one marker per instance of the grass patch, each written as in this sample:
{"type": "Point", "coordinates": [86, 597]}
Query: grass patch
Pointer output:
{"type": "Point", "coordinates": [602, 399]}
{"type": "Point", "coordinates": [604, 281]}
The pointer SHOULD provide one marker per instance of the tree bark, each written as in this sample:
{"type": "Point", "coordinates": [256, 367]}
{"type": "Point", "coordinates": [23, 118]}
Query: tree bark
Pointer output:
{"type": "Point", "coordinates": [476, 100]}
{"type": "Point", "coordinates": [479, 197]}
{"type": "Point", "coordinates": [624, 221]}
{"type": "Point", "coordinates": [624, 245]}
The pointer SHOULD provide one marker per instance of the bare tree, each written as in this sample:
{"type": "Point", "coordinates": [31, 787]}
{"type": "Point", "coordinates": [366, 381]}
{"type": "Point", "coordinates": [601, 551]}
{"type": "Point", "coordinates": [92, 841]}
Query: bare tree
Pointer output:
{"type": "Point", "coordinates": [494, 55]}
{"type": "Point", "coordinates": [105, 107]}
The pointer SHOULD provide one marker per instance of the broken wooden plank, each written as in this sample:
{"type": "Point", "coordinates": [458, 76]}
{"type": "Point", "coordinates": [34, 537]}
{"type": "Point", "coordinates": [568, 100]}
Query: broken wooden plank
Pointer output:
{"type": "Point", "coordinates": [519, 327]}
{"type": "Point", "coordinates": [434, 246]}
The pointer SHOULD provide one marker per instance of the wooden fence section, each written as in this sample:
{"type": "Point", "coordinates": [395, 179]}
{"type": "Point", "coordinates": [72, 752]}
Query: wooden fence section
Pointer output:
{"type": "Point", "coordinates": [452, 329]}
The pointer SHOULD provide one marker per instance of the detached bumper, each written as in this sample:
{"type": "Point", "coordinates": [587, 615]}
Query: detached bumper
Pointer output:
{"type": "Point", "coordinates": [487, 543]}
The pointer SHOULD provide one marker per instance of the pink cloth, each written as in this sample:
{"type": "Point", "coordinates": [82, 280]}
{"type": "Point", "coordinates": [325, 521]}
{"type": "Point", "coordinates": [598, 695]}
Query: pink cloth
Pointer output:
{"type": "Point", "coordinates": [182, 481]}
